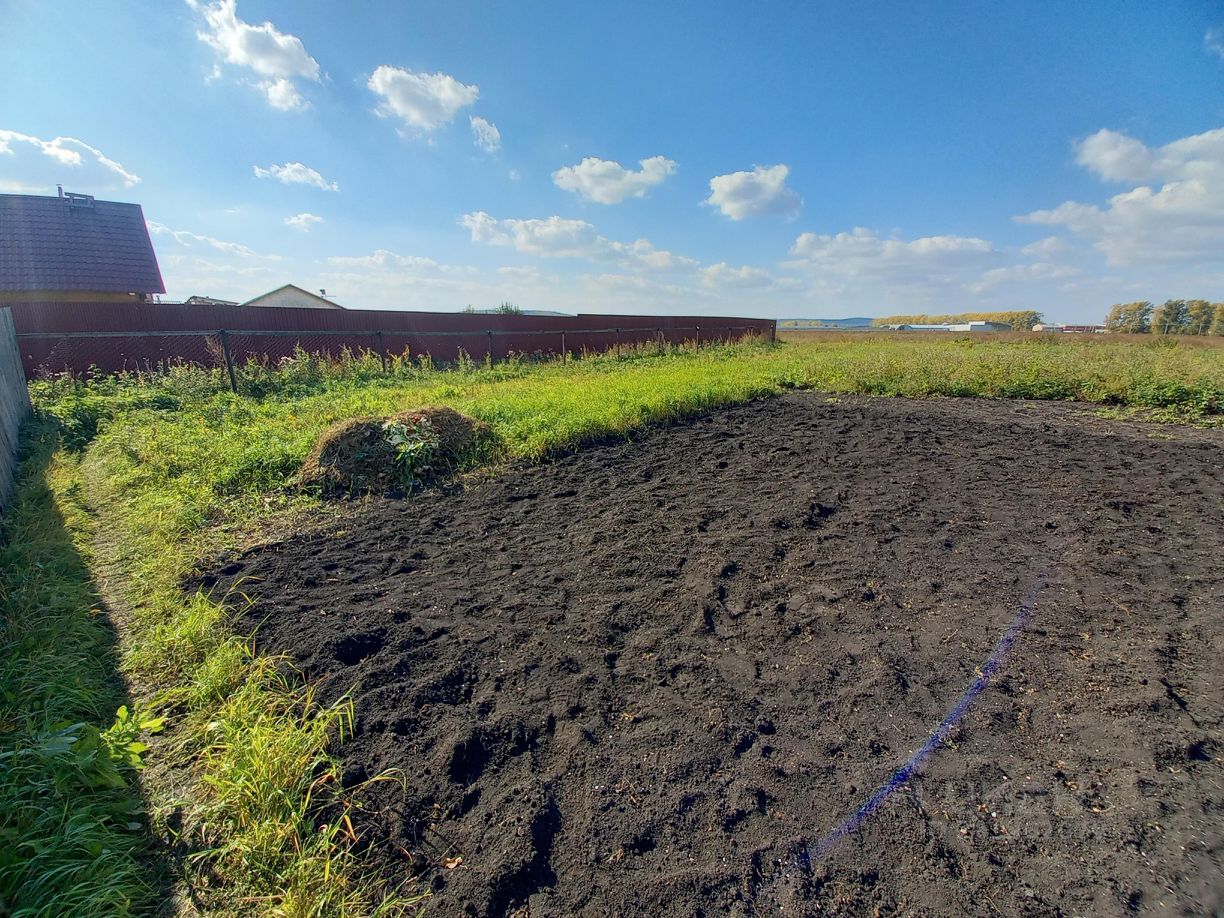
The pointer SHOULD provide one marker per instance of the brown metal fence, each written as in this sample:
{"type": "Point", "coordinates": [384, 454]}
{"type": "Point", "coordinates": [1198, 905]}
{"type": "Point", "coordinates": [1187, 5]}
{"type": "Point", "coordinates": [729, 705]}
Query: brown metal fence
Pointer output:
{"type": "Point", "coordinates": [107, 337]}
{"type": "Point", "coordinates": [14, 404]}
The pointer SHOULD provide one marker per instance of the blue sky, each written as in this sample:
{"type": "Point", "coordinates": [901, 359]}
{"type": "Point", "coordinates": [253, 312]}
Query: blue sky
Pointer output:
{"type": "Point", "coordinates": [806, 159]}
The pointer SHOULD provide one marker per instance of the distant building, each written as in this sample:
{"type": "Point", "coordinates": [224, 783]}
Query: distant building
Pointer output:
{"type": "Point", "coordinates": [978, 326]}
{"type": "Point", "coordinates": [1070, 329]}
{"type": "Point", "coordinates": [294, 296]}
{"type": "Point", "coordinates": [74, 248]}
{"type": "Point", "coordinates": [207, 301]}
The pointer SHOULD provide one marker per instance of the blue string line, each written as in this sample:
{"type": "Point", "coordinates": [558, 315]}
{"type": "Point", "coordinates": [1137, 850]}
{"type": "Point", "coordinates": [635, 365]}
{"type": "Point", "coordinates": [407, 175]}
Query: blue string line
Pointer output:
{"type": "Point", "coordinates": [907, 771]}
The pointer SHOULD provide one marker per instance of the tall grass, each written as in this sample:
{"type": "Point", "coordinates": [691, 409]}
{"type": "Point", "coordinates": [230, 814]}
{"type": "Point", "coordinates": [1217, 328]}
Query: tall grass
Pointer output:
{"type": "Point", "coordinates": [178, 468]}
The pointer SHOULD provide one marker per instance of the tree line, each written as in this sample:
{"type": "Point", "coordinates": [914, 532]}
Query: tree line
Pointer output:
{"type": "Point", "coordinates": [1020, 320]}
{"type": "Point", "coordinates": [1172, 317]}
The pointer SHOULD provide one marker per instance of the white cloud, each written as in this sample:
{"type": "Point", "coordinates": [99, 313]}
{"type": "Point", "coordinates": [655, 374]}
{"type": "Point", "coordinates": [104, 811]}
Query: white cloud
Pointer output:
{"type": "Point", "coordinates": [524, 272]}
{"type": "Point", "coordinates": [1214, 40]}
{"type": "Point", "coordinates": [485, 134]}
{"type": "Point", "coordinates": [623, 281]}
{"type": "Point", "coordinates": [1116, 157]}
{"type": "Point", "coordinates": [607, 182]}
{"type": "Point", "coordinates": [423, 101]}
{"type": "Point", "coordinates": [283, 94]}
{"type": "Point", "coordinates": [276, 57]}
{"type": "Point", "coordinates": [757, 193]}
{"type": "Point", "coordinates": [553, 237]}
{"type": "Point", "coordinates": [30, 164]}
{"type": "Point", "coordinates": [1181, 219]}
{"type": "Point", "coordinates": [1021, 274]}
{"type": "Point", "coordinates": [559, 237]}
{"type": "Point", "coordinates": [191, 240]}
{"type": "Point", "coordinates": [723, 275]}
{"type": "Point", "coordinates": [863, 253]}
{"type": "Point", "coordinates": [303, 222]}
{"type": "Point", "coordinates": [296, 174]}
{"type": "Point", "coordinates": [1047, 247]}
{"type": "Point", "coordinates": [386, 260]}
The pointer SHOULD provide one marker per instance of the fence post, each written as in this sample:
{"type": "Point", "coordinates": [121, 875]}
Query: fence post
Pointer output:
{"type": "Point", "coordinates": [618, 344]}
{"type": "Point", "coordinates": [382, 351]}
{"type": "Point", "coordinates": [698, 338]}
{"type": "Point", "coordinates": [229, 360]}
{"type": "Point", "coordinates": [564, 350]}
{"type": "Point", "coordinates": [489, 352]}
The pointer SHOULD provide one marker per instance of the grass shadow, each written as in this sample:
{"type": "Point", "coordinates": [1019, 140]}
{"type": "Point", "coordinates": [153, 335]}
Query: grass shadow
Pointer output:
{"type": "Point", "coordinates": [75, 828]}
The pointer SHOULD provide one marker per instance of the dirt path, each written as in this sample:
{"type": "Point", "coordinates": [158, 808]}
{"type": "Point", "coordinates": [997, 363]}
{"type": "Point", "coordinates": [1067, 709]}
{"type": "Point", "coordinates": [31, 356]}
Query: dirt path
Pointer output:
{"type": "Point", "coordinates": [648, 678]}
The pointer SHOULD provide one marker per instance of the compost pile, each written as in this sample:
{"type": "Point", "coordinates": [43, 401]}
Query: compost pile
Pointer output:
{"type": "Point", "coordinates": [648, 678]}
{"type": "Point", "coordinates": [362, 455]}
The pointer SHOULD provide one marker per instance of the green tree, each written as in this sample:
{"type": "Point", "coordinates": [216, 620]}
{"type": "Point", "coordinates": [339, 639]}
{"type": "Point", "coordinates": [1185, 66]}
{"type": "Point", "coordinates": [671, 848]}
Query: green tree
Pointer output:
{"type": "Point", "coordinates": [1199, 316]}
{"type": "Point", "coordinates": [1130, 318]}
{"type": "Point", "coordinates": [508, 309]}
{"type": "Point", "coordinates": [1217, 323]}
{"type": "Point", "coordinates": [1170, 318]}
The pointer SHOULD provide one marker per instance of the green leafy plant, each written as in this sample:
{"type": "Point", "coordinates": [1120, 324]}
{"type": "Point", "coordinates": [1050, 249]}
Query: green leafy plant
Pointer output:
{"type": "Point", "coordinates": [415, 449]}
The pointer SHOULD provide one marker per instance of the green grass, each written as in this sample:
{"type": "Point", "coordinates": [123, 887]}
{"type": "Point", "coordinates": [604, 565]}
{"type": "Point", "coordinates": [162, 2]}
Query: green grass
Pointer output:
{"type": "Point", "coordinates": [175, 468]}
{"type": "Point", "coordinates": [72, 825]}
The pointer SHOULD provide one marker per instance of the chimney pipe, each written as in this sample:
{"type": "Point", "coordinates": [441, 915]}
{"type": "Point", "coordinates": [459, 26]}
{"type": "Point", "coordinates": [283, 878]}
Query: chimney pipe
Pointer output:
{"type": "Point", "coordinates": [60, 188]}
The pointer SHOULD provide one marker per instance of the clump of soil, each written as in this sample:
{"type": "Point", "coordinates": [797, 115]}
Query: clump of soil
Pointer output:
{"type": "Point", "coordinates": [359, 455]}
{"type": "Point", "coordinates": [648, 678]}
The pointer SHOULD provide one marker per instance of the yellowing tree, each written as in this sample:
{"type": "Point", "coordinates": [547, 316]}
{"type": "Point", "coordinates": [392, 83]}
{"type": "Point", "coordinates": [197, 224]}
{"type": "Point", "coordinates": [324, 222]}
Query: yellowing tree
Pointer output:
{"type": "Point", "coordinates": [1199, 316]}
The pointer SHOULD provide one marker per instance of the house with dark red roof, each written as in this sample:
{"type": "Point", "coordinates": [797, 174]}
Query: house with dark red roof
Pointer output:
{"type": "Point", "coordinates": [73, 248]}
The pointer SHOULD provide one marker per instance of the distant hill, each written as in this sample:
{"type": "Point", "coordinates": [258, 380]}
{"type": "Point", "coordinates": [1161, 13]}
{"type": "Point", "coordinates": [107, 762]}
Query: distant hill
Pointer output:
{"type": "Point", "coordinates": [855, 322]}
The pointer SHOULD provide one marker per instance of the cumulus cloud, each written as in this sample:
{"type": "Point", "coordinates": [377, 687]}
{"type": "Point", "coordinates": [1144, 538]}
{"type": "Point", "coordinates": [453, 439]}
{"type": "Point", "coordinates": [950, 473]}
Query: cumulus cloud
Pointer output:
{"type": "Point", "coordinates": [424, 102]}
{"type": "Point", "coordinates": [1115, 157]}
{"type": "Point", "coordinates": [303, 222]}
{"type": "Point", "coordinates": [485, 134]}
{"type": "Point", "coordinates": [758, 193]}
{"type": "Point", "coordinates": [861, 252]}
{"type": "Point", "coordinates": [30, 164]}
{"type": "Point", "coordinates": [607, 182]}
{"type": "Point", "coordinates": [1179, 216]}
{"type": "Point", "coordinates": [296, 174]}
{"type": "Point", "coordinates": [723, 275]}
{"type": "Point", "coordinates": [276, 58]}
{"type": "Point", "coordinates": [558, 237]}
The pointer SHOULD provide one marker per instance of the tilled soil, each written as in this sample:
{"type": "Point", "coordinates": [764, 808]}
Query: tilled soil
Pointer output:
{"type": "Point", "coordinates": [648, 678]}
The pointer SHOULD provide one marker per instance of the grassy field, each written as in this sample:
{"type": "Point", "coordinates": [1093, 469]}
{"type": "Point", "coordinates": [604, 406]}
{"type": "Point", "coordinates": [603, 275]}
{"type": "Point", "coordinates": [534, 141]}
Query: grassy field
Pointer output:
{"type": "Point", "coordinates": [158, 473]}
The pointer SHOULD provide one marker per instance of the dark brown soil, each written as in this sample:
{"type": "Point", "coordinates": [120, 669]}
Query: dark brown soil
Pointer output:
{"type": "Point", "coordinates": [647, 678]}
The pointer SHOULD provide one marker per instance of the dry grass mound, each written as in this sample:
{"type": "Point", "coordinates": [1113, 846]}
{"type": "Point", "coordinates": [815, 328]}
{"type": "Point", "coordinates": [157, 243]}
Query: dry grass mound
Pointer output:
{"type": "Point", "coordinates": [399, 453]}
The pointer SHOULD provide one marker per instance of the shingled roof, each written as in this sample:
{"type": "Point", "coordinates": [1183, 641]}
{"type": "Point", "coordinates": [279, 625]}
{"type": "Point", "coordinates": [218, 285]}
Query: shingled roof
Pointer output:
{"type": "Point", "coordinates": [74, 242]}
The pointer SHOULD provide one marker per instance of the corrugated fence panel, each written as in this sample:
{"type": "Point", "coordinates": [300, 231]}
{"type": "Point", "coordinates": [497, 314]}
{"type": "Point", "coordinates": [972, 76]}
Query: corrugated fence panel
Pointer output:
{"type": "Point", "coordinates": [114, 337]}
{"type": "Point", "coordinates": [14, 403]}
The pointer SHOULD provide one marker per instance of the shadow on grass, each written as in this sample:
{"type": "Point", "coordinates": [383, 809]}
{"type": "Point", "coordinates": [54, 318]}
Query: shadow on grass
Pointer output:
{"type": "Point", "coordinates": [75, 832]}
